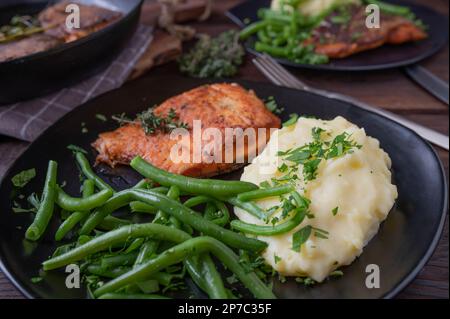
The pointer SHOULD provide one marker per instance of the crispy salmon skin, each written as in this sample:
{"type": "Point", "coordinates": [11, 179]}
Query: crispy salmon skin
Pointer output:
{"type": "Point", "coordinates": [218, 106]}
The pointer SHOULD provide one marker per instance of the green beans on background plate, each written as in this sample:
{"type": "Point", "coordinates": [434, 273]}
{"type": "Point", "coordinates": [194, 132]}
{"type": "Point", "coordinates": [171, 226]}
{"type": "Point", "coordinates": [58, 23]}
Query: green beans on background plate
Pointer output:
{"type": "Point", "coordinates": [178, 253]}
{"type": "Point", "coordinates": [46, 207]}
{"type": "Point", "coordinates": [209, 187]}
{"type": "Point", "coordinates": [175, 209]}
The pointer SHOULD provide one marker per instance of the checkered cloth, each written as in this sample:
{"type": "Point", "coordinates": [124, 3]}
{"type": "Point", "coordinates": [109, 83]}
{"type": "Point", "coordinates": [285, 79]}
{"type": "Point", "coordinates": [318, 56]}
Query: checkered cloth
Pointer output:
{"type": "Point", "coordinates": [26, 120]}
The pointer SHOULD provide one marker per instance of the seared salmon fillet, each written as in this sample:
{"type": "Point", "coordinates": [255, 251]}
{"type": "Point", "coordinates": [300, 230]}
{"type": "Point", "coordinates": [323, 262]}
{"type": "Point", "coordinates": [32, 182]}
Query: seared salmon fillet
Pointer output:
{"type": "Point", "coordinates": [218, 106]}
{"type": "Point", "coordinates": [339, 40]}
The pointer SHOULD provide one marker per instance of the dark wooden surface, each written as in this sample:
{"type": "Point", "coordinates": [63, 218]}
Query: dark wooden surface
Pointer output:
{"type": "Point", "coordinates": [391, 90]}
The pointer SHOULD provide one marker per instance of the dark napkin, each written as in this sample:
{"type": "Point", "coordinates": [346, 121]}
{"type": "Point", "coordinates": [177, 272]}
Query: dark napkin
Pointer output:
{"type": "Point", "coordinates": [26, 120]}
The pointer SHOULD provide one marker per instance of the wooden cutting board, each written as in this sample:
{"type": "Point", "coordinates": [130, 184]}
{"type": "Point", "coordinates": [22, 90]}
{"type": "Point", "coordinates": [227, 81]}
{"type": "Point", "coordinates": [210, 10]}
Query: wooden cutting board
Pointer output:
{"type": "Point", "coordinates": [164, 47]}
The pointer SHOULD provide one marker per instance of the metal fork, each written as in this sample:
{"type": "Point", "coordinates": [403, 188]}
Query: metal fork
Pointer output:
{"type": "Point", "coordinates": [281, 77]}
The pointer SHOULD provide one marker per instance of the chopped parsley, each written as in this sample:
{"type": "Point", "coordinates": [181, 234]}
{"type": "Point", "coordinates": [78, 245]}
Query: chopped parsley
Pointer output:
{"type": "Point", "coordinates": [272, 105]}
{"type": "Point", "coordinates": [311, 155]}
{"type": "Point", "coordinates": [335, 210]}
{"type": "Point", "coordinates": [101, 117]}
{"type": "Point", "coordinates": [300, 237]}
{"type": "Point", "coordinates": [21, 179]}
{"type": "Point", "coordinates": [36, 280]}
{"type": "Point", "coordinates": [276, 259]}
{"type": "Point", "coordinates": [293, 118]}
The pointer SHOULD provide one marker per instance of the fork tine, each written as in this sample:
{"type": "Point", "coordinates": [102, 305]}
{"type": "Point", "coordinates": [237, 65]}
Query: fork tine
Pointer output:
{"type": "Point", "coordinates": [285, 81]}
{"type": "Point", "coordinates": [274, 78]}
{"type": "Point", "coordinates": [285, 73]}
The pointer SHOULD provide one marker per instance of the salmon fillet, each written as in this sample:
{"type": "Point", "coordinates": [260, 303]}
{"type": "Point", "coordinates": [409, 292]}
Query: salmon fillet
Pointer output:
{"type": "Point", "coordinates": [218, 106]}
{"type": "Point", "coordinates": [340, 40]}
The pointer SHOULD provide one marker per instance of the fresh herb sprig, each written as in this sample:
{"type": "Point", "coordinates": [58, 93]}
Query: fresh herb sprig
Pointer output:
{"type": "Point", "coordinates": [152, 123]}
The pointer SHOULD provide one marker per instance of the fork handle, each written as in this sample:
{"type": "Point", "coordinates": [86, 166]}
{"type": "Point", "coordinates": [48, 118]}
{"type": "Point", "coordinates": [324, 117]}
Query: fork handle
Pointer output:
{"type": "Point", "coordinates": [428, 134]}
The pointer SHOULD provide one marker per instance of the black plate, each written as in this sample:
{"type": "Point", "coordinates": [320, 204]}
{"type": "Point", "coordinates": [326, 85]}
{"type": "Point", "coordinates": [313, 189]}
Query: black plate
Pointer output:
{"type": "Point", "coordinates": [48, 71]}
{"type": "Point", "coordinates": [401, 248]}
{"type": "Point", "coordinates": [385, 57]}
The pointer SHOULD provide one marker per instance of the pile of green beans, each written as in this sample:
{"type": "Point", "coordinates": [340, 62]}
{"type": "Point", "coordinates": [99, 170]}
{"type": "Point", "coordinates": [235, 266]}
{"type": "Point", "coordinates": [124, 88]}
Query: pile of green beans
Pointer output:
{"type": "Point", "coordinates": [283, 34]}
{"type": "Point", "coordinates": [133, 258]}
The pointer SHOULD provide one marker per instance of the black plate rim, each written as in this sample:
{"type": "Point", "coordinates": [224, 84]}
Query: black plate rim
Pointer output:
{"type": "Point", "coordinates": [327, 67]}
{"type": "Point", "coordinates": [389, 295]}
{"type": "Point", "coordinates": [79, 42]}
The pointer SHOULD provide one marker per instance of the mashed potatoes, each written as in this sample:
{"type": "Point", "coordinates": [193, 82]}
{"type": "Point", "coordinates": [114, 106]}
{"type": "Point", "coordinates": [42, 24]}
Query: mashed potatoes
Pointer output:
{"type": "Point", "coordinates": [315, 7]}
{"type": "Point", "coordinates": [350, 196]}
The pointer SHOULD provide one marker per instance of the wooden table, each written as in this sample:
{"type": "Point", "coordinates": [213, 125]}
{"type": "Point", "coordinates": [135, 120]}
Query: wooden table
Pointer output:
{"type": "Point", "coordinates": [391, 90]}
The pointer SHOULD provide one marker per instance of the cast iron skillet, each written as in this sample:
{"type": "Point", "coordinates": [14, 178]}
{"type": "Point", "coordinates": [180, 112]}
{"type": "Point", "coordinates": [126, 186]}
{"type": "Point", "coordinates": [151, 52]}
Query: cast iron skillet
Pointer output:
{"type": "Point", "coordinates": [44, 72]}
{"type": "Point", "coordinates": [385, 57]}
{"type": "Point", "coordinates": [403, 245]}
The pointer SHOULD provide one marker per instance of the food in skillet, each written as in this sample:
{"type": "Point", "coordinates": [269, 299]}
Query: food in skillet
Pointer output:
{"type": "Point", "coordinates": [315, 31]}
{"type": "Point", "coordinates": [216, 106]}
{"type": "Point", "coordinates": [25, 35]}
{"type": "Point", "coordinates": [329, 191]}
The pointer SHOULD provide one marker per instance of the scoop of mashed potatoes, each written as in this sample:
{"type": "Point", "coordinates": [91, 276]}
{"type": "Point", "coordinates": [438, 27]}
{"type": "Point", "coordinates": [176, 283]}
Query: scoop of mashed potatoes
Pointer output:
{"type": "Point", "coordinates": [350, 196]}
{"type": "Point", "coordinates": [315, 7]}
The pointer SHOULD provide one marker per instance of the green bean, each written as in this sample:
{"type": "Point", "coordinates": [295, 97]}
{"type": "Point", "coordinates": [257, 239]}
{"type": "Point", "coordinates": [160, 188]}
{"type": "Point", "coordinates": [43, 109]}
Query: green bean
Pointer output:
{"type": "Point", "coordinates": [115, 237]}
{"type": "Point", "coordinates": [89, 173]}
{"type": "Point", "coordinates": [147, 250]}
{"type": "Point", "coordinates": [144, 184]}
{"type": "Point", "coordinates": [46, 208]}
{"type": "Point", "coordinates": [131, 296]}
{"type": "Point", "coordinates": [281, 52]}
{"type": "Point", "coordinates": [197, 200]}
{"type": "Point", "coordinates": [111, 273]}
{"type": "Point", "coordinates": [119, 260]}
{"type": "Point", "coordinates": [178, 253]}
{"type": "Point", "coordinates": [161, 190]}
{"type": "Point", "coordinates": [111, 222]}
{"type": "Point", "coordinates": [163, 278]}
{"type": "Point", "coordinates": [210, 281]}
{"type": "Point", "coordinates": [264, 193]}
{"type": "Point", "coordinates": [391, 8]}
{"type": "Point", "coordinates": [214, 188]}
{"type": "Point", "coordinates": [269, 230]}
{"type": "Point", "coordinates": [206, 227]}
{"type": "Point", "coordinates": [264, 37]}
{"type": "Point", "coordinates": [76, 217]}
{"type": "Point", "coordinates": [249, 207]}
{"type": "Point", "coordinates": [73, 204]}
{"type": "Point", "coordinates": [117, 201]}
{"type": "Point", "coordinates": [139, 207]}
{"type": "Point", "coordinates": [203, 272]}
{"type": "Point", "coordinates": [252, 29]}
{"type": "Point", "coordinates": [225, 218]}
{"type": "Point", "coordinates": [175, 209]}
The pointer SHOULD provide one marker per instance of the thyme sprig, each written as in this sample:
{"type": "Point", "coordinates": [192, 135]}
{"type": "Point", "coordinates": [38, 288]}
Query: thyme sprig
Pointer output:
{"type": "Point", "coordinates": [152, 123]}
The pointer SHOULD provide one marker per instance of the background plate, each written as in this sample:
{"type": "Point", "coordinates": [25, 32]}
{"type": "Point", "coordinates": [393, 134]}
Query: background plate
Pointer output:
{"type": "Point", "coordinates": [385, 57]}
{"type": "Point", "coordinates": [401, 248]}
